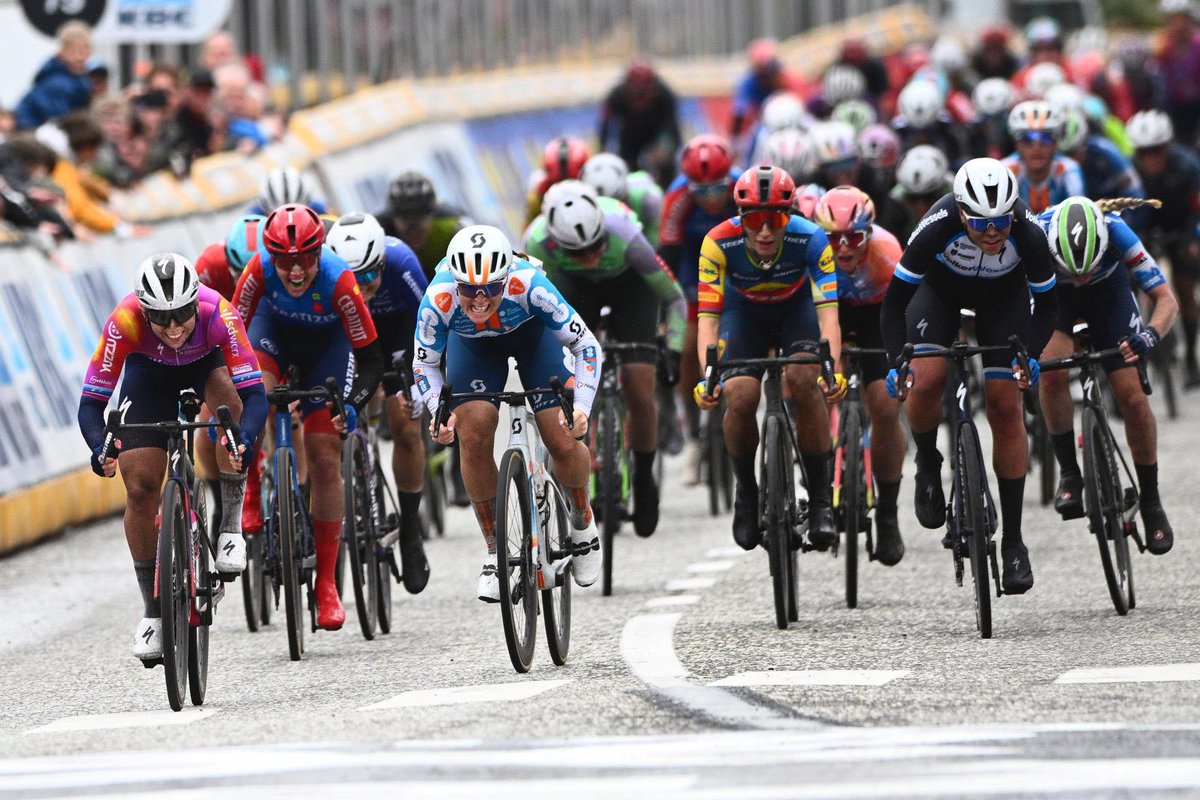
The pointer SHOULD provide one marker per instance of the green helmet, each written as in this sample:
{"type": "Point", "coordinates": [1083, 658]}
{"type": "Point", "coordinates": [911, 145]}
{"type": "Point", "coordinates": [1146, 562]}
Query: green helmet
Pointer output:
{"type": "Point", "coordinates": [1078, 235]}
{"type": "Point", "coordinates": [1074, 131]}
{"type": "Point", "coordinates": [858, 114]}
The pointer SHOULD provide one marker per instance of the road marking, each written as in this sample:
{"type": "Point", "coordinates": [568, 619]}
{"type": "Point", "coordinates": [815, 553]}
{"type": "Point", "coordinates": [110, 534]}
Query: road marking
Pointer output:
{"type": "Point", "coordinates": [710, 566]}
{"type": "Point", "coordinates": [814, 677]}
{"type": "Point", "coordinates": [689, 584]}
{"type": "Point", "coordinates": [647, 645]}
{"type": "Point", "coordinates": [726, 552]}
{"type": "Point", "coordinates": [455, 695]}
{"type": "Point", "coordinates": [125, 719]}
{"type": "Point", "coordinates": [673, 600]}
{"type": "Point", "coordinates": [1146, 673]}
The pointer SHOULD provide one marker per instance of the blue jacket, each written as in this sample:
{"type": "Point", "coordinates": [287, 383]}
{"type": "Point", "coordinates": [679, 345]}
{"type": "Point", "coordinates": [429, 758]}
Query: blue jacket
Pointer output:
{"type": "Point", "coordinates": [56, 91]}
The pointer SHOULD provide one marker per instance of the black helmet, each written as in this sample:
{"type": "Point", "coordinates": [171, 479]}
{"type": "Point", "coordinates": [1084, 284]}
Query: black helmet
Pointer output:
{"type": "Point", "coordinates": [411, 194]}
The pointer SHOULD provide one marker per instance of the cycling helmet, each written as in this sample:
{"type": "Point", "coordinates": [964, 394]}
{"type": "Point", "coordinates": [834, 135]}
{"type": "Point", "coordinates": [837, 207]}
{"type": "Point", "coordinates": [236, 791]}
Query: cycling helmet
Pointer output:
{"type": "Point", "coordinates": [947, 55]}
{"type": "Point", "coordinates": [563, 158]}
{"type": "Point", "coordinates": [919, 103]}
{"type": "Point", "coordinates": [479, 254]}
{"type": "Point", "coordinates": [706, 159]}
{"type": "Point", "coordinates": [764, 186]}
{"type": "Point", "coordinates": [1168, 7]}
{"type": "Point", "coordinates": [411, 194]}
{"type": "Point", "coordinates": [293, 229]}
{"type": "Point", "coordinates": [995, 35]}
{"type": "Point", "coordinates": [165, 282]}
{"type": "Point", "coordinates": [922, 170]}
{"type": "Point", "coordinates": [358, 239]}
{"type": "Point", "coordinates": [879, 146]}
{"type": "Point", "coordinates": [807, 197]}
{"type": "Point", "coordinates": [1033, 115]}
{"type": "Point", "coordinates": [784, 110]}
{"type": "Point", "coordinates": [1074, 131]}
{"type": "Point", "coordinates": [832, 142]}
{"type": "Point", "coordinates": [242, 241]}
{"type": "Point", "coordinates": [792, 151]}
{"type": "Point", "coordinates": [640, 72]}
{"type": "Point", "coordinates": [608, 174]}
{"type": "Point", "coordinates": [1150, 129]}
{"type": "Point", "coordinates": [762, 53]}
{"type": "Point", "coordinates": [1042, 77]}
{"type": "Point", "coordinates": [1078, 235]}
{"type": "Point", "coordinates": [993, 96]}
{"type": "Point", "coordinates": [842, 82]}
{"type": "Point", "coordinates": [1064, 97]}
{"type": "Point", "coordinates": [984, 187]}
{"type": "Point", "coordinates": [283, 186]}
{"type": "Point", "coordinates": [1043, 31]}
{"type": "Point", "coordinates": [573, 214]}
{"type": "Point", "coordinates": [845, 208]}
{"type": "Point", "coordinates": [858, 114]}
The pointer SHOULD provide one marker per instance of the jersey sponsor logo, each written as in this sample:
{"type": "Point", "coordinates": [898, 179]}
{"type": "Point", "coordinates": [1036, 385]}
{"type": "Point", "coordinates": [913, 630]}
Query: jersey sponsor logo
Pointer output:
{"type": "Point", "coordinates": [1032, 217]}
{"type": "Point", "coordinates": [250, 291]}
{"type": "Point", "coordinates": [826, 262]}
{"type": "Point", "coordinates": [546, 301]}
{"type": "Point", "coordinates": [427, 326]}
{"type": "Point", "coordinates": [1137, 260]}
{"type": "Point", "coordinates": [354, 320]}
{"type": "Point", "coordinates": [412, 283]}
{"type": "Point", "coordinates": [828, 287]}
{"type": "Point", "coordinates": [110, 348]}
{"type": "Point", "coordinates": [589, 360]}
{"type": "Point", "coordinates": [443, 301]}
{"type": "Point", "coordinates": [708, 271]}
{"type": "Point", "coordinates": [229, 317]}
{"type": "Point", "coordinates": [241, 369]}
{"type": "Point", "coordinates": [926, 221]}
{"type": "Point", "coordinates": [516, 286]}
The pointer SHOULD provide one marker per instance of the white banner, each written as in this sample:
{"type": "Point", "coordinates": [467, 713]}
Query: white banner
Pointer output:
{"type": "Point", "coordinates": [161, 21]}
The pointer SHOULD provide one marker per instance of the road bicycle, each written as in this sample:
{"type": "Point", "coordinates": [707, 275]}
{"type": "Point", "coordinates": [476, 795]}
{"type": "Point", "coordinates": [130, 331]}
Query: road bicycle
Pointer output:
{"type": "Point", "coordinates": [533, 536]}
{"type": "Point", "coordinates": [187, 587]}
{"type": "Point", "coordinates": [716, 467]}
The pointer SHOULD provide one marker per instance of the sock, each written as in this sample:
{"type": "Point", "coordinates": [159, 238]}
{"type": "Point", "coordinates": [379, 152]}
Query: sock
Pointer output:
{"type": "Point", "coordinates": [1189, 340]}
{"type": "Point", "coordinates": [485, 514]}
{"type": "Point", "coordinates": [410, 504]}
{"type": "Point", "coordinates": [743, 470]}
{"type": "Point", "coordinates": [1012, 494]}
{"type": "Point", "coordinates": [233, 491]}
{"type": "Point", "coordinates": [1147, 475]}
{"type": "Point", "coordinates": [643, 466]}
{"type": "Point", "coordinates": [817, 467]}
{"type": "Point", "coordinates": [928, 457]}
{"type": "Point", "coordinates": [145, 578]}
{"type": "Point", "coordinates": [1064, 452]}
{"type": "Point", "coordinates": [328, 536]}
{"type": "Point", "coordinates": [581, 509]}
{"type": "Point", "coordinates": [886, 493]}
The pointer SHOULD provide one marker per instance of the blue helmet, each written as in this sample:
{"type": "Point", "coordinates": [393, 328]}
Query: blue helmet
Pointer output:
{"type": "Point", "coordinates": [242, 242]}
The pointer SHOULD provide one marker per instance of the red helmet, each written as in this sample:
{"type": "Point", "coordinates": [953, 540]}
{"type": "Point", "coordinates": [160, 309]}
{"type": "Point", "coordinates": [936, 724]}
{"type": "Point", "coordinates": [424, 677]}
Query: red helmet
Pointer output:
{"type": "Point", "coordinates": [845, 208]}
{"type": "Point", "coordinates": [564, 158]}
{"type": "Point", "coordinates": [640, 71]}
{"type": "Point", "coordinates": [293, 230]}
{"type": "Point", "coordinates": [706, 159]}
{"type": "Point", "coordinates": [764, 186]}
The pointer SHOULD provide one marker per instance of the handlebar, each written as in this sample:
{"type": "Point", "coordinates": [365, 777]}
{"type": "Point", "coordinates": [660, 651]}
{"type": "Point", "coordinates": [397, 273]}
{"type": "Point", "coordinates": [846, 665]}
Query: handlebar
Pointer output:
{"type": "Point", "coordinates": [225, 423]}
{"type": "Point", "coordinates": [959, 351]}
{"type": "Point", "coordinates": [1088, 357]}
{"type": "Point", "coordinates": [283, 395]}
{"type": "Point", "coordinates": [564, 395]}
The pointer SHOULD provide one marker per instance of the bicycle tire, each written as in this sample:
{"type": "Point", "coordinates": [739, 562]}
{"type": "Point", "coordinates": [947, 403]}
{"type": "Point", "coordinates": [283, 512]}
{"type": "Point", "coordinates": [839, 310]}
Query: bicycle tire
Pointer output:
{"type": "Point", "coordinates": [253, 598]}
{"type": "Point", "coordinates": [972, 511]}
{"type": "Point", "coordinates": [1047, 465]}
{"type": "Point", "coordinates": [1103, 501]}
{"type": "Point", "coordinates": [714, 443]}
{"type": "Point", "coordinates": [174, 593]}
{"type": "Point", "coordinates": [853, 497]}
{"type": "Point", "coordinates": [779, 521]}
{"type": "Point", "coordinates": [384, 557]}
{"type": "Point", "coordinates": [358, 525]}
{"type": "Point", "coordinates": [725, 472]}
{"type": "Point", "coordinates": [291, 556]}
{"type": "Point", "coordinates": [1166, 381]}
{"type": "Point", "coordinates": [270, 599]}
{"type": "Point", "coordinates": [608, 443]}
{"type": "Point", "coordinates": [556, 600]}
{"type": "Point", "coordinates": [433, 500]}
{"type": "Point", "coordinates": [198, 633]}
{"type": "Point", "coordinates": [514, 569]}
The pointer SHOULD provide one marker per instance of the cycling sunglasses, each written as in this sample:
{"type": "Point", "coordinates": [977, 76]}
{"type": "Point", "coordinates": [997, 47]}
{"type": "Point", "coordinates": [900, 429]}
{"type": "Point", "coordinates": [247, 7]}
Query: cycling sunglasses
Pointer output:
{"type": "Point", "coordinates": [285, 262]}
{"type": "Point", "coordinates": [470, 291]}
{"type": "Point", "coordinates": [1037, 137]}
{"type": "Point", "coordinates": [714, 189]}
{"type": "Point", "coordinates": [366, 276]}
{"type": "Point", "coordinates": [851, 239]}
{"type": "Point", "coordinates": [771, 217]}
{"type": "Point", "coordinates": [163, 319]}
{"type": "Point", "coordinates": [981, 224]}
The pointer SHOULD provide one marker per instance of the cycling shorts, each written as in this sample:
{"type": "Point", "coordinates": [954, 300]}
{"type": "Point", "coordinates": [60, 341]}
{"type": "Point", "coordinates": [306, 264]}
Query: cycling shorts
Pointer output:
{"type": "Point", "coordinates": [480, 364]}
{"type": "Point", "coordinates": [1108, 308]}
{"type": "Point", "coordinates": [750, 330]}
{"type": "Point", "coordinates": [634, 315]}
{"type": "Point", "coordinates": [860, 325]}
{"type": "Point", "coordinates": [317, 354]}
{"type": "Point", "coordinates": [153, 391]}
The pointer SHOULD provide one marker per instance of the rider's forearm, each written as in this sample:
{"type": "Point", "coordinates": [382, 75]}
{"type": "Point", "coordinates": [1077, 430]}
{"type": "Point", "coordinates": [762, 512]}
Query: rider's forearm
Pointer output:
{"type": "Point", "coordinates": [427, 376]}
{"type": "Point", "coordinates": [1166, 309]}
{"type": "Point", "coordinates": [892, 323]}
{"type": "Point", "coordinates": [91, 421]}
{"type": "Point", "coordinates": [1045, 314]}
{"type": "Point", "coordinates": [368, 372]}
{"type": "Point", "coordinates": [707, 333]}
{"type": "Point", "coordinates": [831, 329]}
{"type": "Point", "coordinates": [254, 412]}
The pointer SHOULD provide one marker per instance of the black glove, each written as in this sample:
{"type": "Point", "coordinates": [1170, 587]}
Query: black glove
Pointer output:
{"type": "Point", "coordinates": [1143, 341]}
{"type": "Point", "coordinates": [97, 465]}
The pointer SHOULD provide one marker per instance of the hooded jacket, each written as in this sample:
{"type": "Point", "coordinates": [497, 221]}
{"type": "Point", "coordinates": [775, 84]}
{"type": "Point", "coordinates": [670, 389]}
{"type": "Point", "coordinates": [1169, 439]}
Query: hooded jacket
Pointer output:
{"type": "Point", "coordinates": [56, 91]}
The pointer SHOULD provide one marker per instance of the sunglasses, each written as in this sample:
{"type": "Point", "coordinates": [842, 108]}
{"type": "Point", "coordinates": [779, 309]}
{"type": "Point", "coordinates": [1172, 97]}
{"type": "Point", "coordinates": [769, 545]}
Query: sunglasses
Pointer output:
{"type": "Point", "coordinates": [1156, 150]}
{"type": "Point", "coordinates": [285, 262]}
{"type": "Point", "coordinates": [163, 319]}
{"type": "Point", "coordinates": [1036, 137]}
{"type": "Point", "coordinates": [715, 189]}
{"type": "Point", "coordinates": [472, 290]}
{"type": "Point", "coordinates": [981, 224]}
{"type": "Point", "coordinates": [772, 218]}
{"type": "Point", "coordinates": [851, 239]}
{"type": "Point", "coordinates": [367, 276]}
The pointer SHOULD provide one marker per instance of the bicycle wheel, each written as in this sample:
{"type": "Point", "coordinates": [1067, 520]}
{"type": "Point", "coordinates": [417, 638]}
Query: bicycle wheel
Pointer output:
{"type": "Point", "coordinates": [433, 493]}
{"type": "Point", "coordinates": [174, 592]}
{"type": "Point", "coordinates": [291, 555]}
{"type": "Point", "coordinates": [972, 511]}
{"type": "Point", "coordinates": [253, 598]}
{"type": "Point", "coordinates": [714, 457]}
{"type": "Point", "coordinates": [515, 571]}
{"type": "Point", "coordinates": [853, 498]}
{"type": "Point", "coordinates": [202, 579]}
{"type": "Point", "coordinates": [270, 599]}
{"type": "Point", "coordinates": [1104, 502]}
{"type": "Point", "coordinates": [556, 600]}
{"type": "Point", "coordinates": [358, 524]}
{"type": "Point", "coordinates": [609, 483]}
{"type": "Point", "coordinates": [778, 480]}
{"type": "Point", "coordinates": [384, 557]}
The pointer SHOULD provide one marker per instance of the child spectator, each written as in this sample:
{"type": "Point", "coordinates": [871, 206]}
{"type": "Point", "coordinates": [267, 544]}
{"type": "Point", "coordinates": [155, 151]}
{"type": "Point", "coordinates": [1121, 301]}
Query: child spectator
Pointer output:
{"type": "Point", "coordinates": [62, 84]}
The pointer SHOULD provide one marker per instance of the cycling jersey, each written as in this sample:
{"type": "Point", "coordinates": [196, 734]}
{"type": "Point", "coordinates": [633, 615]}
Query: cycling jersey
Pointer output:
{"type": "Point", "coordinates": [1064, 180]}
{"type": "Point", "coordinates": [646, 200]}
{"type": "Point", "coordinates": [447, 221]}
{"type": "Point", "coordinates": [945, 134]}
{"type": "Point", "coordinates": [683, 228]}
{"type": "Point", "coordinates": [626, 249]}
{"type": "Point", "coordinates": [394, 306]}
{"type": "Point", "coordinates": [1125, 250]}
{"type": "Point", "coordinates": [213, 268]}
{"type": "Point", "coordinates": [530, 301]}
{"type": "Point", "coordinates": [868, 283]}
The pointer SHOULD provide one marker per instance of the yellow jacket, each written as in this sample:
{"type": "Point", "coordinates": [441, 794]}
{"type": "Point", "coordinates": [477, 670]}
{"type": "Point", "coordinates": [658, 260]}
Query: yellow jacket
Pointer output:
{"type": "Point", "coordinates": [83, 207]}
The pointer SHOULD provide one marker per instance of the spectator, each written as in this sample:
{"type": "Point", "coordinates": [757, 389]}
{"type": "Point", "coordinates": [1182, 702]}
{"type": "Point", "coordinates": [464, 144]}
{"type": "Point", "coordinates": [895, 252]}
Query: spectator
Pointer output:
{"type": "Point", "coordinates": [97, 72]}
{"type": "Point", "coordinates": [28, 199]}
{"type": "Point", "coordinates": [193, 132]}
{"type": "Point", "coordinates": [243, 107]}
{"type": "Point", "coordinates": [76, 139]}
{"type": "Point", "coordinates": [220, 50]}
{"type": "Point", "coordinates": [62, 84]}
{"type": "Point", "coordinates": [122, 161]}
{"type": "Point", "coordinates": [993, 58]}
{"type": "Point", "coordinates": [766, 76]}
{"type": "Point", "coordinates": [639, 122]}
{"type": "Point", "coordinates": [1178, 61]}
{"type": "Point", "coordinates": [164, 77]}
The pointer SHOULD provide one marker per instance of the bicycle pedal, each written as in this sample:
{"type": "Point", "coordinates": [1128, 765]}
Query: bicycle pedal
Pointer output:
{"type": "Point", "coordinates": [224, 577]}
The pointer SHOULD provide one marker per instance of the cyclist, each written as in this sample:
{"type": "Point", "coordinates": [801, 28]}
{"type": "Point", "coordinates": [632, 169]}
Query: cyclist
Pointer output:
{"type": "Point", "coordinates": [922, 178]}
{"type": "Point", "coordinates": [866, 255]}
{"type": "Point", "coordinates": [980, 248]}
{"type": "Point", "coordinates": [596, 256]}
{"type": "Point", "coordinates": [767, 281]}
{"type": "Point", "coordinates": [639, 119]}
{"type": "Point", "coordinates": [1045, 177]}
{"type": "Point", "coordinates": [485, 306]}
{"type": "Point", "coordinates": [1171, 172]}
{"type": "Point", "coordinates": [988, 133]}
{"type": "Point", "coordinates": [170, 334]}
{"type": "Point", "coordinates": [1095, 253]}
{"type": "Point", "coordinates": [922, 118]}
{"type": "Point", "coordinates": [562, 160]}
{"type": "Point", "coordinates": [609, 175]}
{"type": "Point", "coordinates": [303, 307]}
{"type": "Point", "coordinates": [780, 112]}
{"type": "Point", "coordinates": [791, 150]}
{"type": "Point", "coordinates": [282, 186]}
{"type": "Point", "coordinates": [391, 281]}
{"type": "Point", "coordinates": [839, 162]}
{"type": "Point", "coordinates": [415, 217]}
{"type": "Point", "coordinates": [1107, 172]}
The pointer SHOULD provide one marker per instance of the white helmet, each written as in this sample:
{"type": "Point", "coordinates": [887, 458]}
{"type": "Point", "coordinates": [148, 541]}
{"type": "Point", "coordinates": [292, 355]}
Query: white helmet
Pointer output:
{"type": "Point", "coordinates": [1042, 76]}
{"type": "Point", "coordinates": [283, 186]}
{"type": "Point", "coordinates": [1150, 129]}
{"type": "Point", "coordinates": [833, 141]}
{"type": "Point", "coordinates": [791, 151]}
{"type": "Point", "coordinates": [858, 114]}
{"type": "Point", "coordinates": [784, 110]}
{"type": "Point", "coordinates": [948, 55]}
{"type": "Point", "coordinates": [984, 187]}
{"type": "Point", "coordinates": [479, 254]}
{"type": "Point", "coordinates": [993, 96]}
{"type": "Point", "coordinates": [1034, 115]}
{"type": "Point", "coordinates": [1166, 7]}
{"type": "Point", "coordinates": [165, 282]}
{"type": "Point", "coordinates": [919, 103]}
{"type": "Point", "coordinates": [608, 174]}
{"type": "Point", "coordinates": [922, 170]}
{"type": "Point", "coordinates": [1064, 97]}
{"type": "Point", "coordinates": [358, 239]}
{"type": "Point", "coordinates": [573, 214]}
{"type": "Point", "coordinates": [842, 82]}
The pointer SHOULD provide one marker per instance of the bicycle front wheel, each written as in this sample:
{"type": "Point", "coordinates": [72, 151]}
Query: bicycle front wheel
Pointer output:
{"type": "Point", "coordinates": [202, 579]}
{"type": "Point", "coordinates": [358, 525]}
{"type": "Point", "coordinates": [609, 482]}
{"type": "Point", "coordinates": [853, 497]}
{"type": "Point", "coordinates": [779, 487]}
{"type": "Point", "coordinates": [556, 599]}
{"type": "Point", "coordinates": [174, 592]}
{"type": "Point", "coordinates": [515, 568]}
{"type": "Point", "coordinates": [384, 557]}
{"type": "Point", "coordinates": [253, 598]}
{"type": "Point", "coordinates": [1104, 501]}
{"type": "Point", "coordinates": [291, 555]}
{"type": "Point", "coordinates": [973, 518]}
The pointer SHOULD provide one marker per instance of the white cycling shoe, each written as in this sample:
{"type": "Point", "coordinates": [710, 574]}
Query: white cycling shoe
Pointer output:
{"type": "Point", "coordinates": [585, 546]}
{"type": "Point", "coordinates": [231, 553]}
{"type": "Point", "coordinates": [489, 584]}
{"type": "Point", "coordinates": [147, 639]}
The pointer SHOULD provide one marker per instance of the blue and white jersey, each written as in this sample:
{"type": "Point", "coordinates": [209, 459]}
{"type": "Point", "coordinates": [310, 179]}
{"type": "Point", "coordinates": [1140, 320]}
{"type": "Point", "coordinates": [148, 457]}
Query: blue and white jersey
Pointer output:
{"type": "Point", "coordinates": [1065, 179]}
{"type": "Point", "coordinates": [1124, 249]}
{"type": "Point", "coordinates": [403, 284]}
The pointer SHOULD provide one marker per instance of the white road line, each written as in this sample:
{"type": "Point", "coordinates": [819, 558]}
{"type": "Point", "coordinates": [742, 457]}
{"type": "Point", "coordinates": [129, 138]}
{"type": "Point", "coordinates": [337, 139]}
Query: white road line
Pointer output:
{"type": "Point", "coordinates": [709, 566]}
{"type": "Point", "coordinates": [125, 719]}
{"type": "Point", "coordinates": [673, 600]}
{"type": "Point", "coordinates": [1146, 673]}
{"type": "Point", "coordinates": [726, 552]}
{"type": "Point", "coordinates": [814, 677]}
{"type": "Point", "coordinates": [454, 695]}
{"type": "Point", "coordinates": [689, 584]}
{"type": "Point", "coordinates": [647, 645]}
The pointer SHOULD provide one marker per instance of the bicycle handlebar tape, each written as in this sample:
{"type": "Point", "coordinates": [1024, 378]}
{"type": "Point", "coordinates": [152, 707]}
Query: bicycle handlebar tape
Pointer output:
{"type": "Point", "coordinates": [230, 427]}
{"type": "Point", "coordinates": [826, 362]}
{"type": "Point", "coordinates": [710, 369]}
{"type": "Point", "coordinates": [1144, 377]}
{"type": "Point", "coordinates": [110, 433]}
{"type": "Point", "coordinates": [902, 369]}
